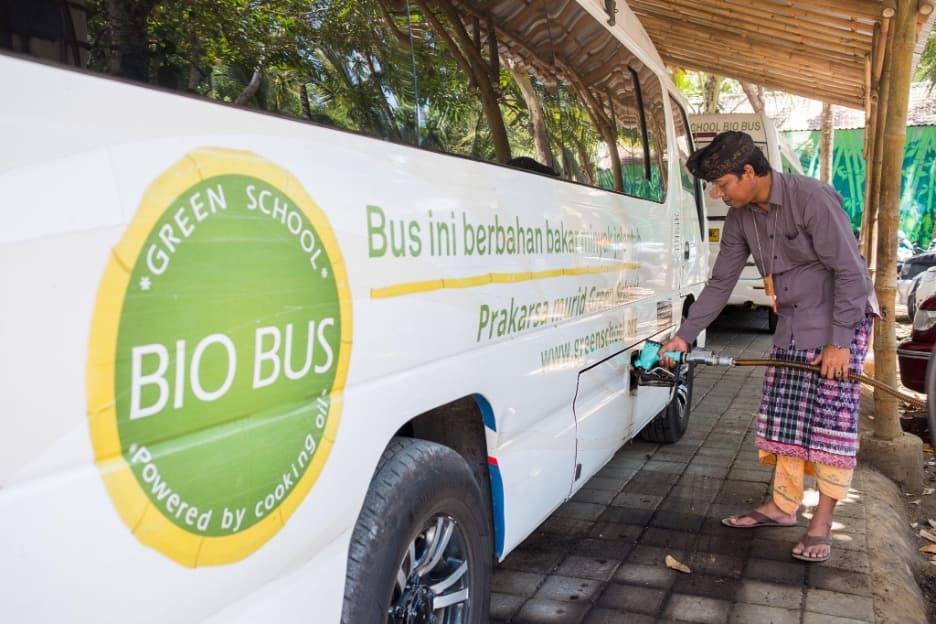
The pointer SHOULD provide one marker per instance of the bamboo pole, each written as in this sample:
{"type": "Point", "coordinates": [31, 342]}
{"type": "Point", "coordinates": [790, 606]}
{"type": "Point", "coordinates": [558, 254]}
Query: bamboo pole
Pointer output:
{"type": "Point", "coordinates": [779, 24]}
{"type": "Point", "coordinates": [881, 47]}
{"type": "Point", "coordinates": [792, 81]}
{"type": "Point", "coordinates": [872, 173]}
{"type": "Point", "coordinates": [867, 99]}
{"type": "Point", "coordinates": [840, 87]}
{"type": "Point", "coordinates": [841, 13]}
{"type": "Point", "coordinates": [876, 163]}
{"type": "Point", "coordinates": [814, 92]}
{"type": "Point", "coordinates": [886, 422]}
{"type": "Point", "coordinates": [767, 46]}
{"type": "Point", "coordinates": [825, 144]}
{"type": "Point", "coordinates": [867, 9]}
{"type": "Point", "coordinates": [685, 36]}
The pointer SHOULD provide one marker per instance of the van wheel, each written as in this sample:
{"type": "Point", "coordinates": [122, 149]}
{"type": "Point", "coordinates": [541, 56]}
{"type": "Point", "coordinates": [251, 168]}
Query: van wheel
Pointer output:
{"type": "Point", "coordinates": [772, 318]}
{"type": "Point", "coordinates": [671, 423]}
{"type": "Point", "coordinates": [421, 550]}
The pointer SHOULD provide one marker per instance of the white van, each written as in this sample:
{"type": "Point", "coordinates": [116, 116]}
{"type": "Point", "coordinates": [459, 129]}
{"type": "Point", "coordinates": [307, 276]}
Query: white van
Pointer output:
{"type": "Point", "coordinates": [330, 367]}
{"type": "Point", "coordinates": [749, 290]}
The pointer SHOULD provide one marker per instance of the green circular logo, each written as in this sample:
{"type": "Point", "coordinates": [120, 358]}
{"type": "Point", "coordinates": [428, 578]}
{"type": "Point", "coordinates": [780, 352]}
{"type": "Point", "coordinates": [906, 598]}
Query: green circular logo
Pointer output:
{"type": "Point", "coordinates": [228, 356]}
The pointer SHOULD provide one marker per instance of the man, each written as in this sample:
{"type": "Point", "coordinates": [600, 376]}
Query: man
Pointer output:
{"type": "Point", "coordinates": [803, 245]}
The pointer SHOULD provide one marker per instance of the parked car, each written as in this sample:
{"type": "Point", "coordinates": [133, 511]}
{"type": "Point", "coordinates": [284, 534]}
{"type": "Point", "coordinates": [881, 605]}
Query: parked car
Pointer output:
{"type": "Point", "coordinates": [913, 355]}
{"type": "Point", "coordinates": [912, 267]}
{"type": "Point", "coordinates": [922, 288]}
{"type": "Point", "coordinates": [906, 249]}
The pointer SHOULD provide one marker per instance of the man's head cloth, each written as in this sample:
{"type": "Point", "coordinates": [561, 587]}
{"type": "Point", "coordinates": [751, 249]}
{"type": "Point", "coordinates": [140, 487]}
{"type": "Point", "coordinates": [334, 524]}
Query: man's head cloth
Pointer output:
{"type": "Point", "coordinates": [727, 153]}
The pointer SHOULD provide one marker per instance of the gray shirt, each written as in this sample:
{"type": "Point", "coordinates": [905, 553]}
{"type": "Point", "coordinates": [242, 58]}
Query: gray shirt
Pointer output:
{"type": "Point", "coordinates": [805, 241]}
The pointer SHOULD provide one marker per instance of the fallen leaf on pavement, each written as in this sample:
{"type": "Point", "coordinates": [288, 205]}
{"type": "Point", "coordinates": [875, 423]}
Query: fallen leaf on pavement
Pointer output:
{"type": "Point", "coordinates": [928, 548]}
{"type": "Point", "coordinates": [932, 523]}
{"type": "Point", "coordinates": [927, 535]}
{"type": "Point", "coordinates": [682, 567]}
{"type": "Point", "coordinates": [928, 491]}
{"type": "Point", "coordinates": [915, 502]}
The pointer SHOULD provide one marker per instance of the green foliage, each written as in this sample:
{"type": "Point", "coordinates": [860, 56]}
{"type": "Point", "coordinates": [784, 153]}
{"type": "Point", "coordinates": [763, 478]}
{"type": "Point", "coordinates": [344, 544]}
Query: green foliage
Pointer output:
{"type": "Point", "coordinates": [926, 70]}
{"type": "Point", "coordinates": [344, 63]}
{"type": "Point", "coordinates": [918, 184]}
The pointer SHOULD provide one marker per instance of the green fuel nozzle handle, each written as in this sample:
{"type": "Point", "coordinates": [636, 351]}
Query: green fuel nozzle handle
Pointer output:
{"type": "Point", "coordinates": [650, 355]}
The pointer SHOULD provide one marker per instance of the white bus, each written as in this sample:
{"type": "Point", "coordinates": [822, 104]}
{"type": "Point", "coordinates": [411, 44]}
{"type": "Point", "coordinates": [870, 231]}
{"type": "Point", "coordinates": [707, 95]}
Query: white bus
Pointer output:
{"type": "Point", "coordinates": [749, 291]}
{"type": "Point", "coordinates": [328, 367]}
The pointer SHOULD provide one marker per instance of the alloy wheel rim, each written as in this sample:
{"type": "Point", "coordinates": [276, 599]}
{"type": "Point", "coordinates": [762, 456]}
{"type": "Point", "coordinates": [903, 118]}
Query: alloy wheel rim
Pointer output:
{"type": "Point", "coordinates": [432, 581]}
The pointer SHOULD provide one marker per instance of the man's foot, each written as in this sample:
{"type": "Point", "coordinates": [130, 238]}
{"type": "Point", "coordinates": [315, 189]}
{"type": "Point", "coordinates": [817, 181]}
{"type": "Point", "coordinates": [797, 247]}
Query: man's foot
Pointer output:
{"type": "Point", "coordinates": [813, 548]}
{"type": "Point", "coordinates": [768, 515]}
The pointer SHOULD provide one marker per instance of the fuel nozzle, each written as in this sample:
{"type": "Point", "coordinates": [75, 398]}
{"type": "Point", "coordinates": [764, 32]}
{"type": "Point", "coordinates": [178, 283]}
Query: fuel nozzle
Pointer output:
{"type": "Point", "coordinates": [650, 356]}
{"type": "Point", "coordinates": [704, 356]}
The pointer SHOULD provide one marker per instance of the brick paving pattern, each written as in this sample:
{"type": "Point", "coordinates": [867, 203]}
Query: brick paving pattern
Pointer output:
{"type": "Point", "coordinates": [599, 559]}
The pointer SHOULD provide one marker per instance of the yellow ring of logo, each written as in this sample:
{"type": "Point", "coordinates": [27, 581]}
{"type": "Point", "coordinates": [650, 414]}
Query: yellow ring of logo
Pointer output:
{"type": "Point", "coordinates": [137, 512]}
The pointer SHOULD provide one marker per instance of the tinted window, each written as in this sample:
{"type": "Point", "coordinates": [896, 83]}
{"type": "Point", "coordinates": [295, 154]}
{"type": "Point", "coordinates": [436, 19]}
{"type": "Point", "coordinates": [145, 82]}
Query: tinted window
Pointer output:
{"type": "Point", "coordinates": [548, 85]}
{"type": "Point", "coordinates": [360, 73]}
{"type": "Point", "coordinates": [683, 145]}
{"type": "Point", "coordinates": [651, 96]}
{"type": "Point", "coordinates": [683, 151]}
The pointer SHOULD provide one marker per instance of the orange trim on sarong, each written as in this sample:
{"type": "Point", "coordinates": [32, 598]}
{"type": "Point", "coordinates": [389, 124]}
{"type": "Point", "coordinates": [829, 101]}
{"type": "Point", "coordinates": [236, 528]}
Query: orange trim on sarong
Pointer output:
{"type": "Point", "coordinates": [789, 473]}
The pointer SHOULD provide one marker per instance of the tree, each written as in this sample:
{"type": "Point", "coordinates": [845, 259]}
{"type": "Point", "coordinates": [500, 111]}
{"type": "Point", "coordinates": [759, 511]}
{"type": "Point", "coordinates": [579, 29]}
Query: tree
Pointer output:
{"type": "Point", "coordinates": [926, 70]}
{"type": "Point", "coordinates": [755, 95]}
{"type": "Point", "coordinates": [127, 41]}
{"type": "Point", "coordinates": [711, 84]}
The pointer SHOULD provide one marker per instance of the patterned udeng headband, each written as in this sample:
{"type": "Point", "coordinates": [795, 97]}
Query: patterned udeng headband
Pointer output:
{"type": "Point", "coordinates": [728, 152]}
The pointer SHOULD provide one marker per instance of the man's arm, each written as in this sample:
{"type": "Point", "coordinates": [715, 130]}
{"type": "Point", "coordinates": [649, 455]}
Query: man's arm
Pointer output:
{"type": "Point", "coordinates": [733, 253]}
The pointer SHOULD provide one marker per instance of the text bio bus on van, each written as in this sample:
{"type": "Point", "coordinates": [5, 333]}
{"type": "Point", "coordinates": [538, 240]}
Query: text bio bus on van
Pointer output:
{"type": "Point", "coordinates": [332, 359]}
{"type": "Point", "coordinates": [749, 291]}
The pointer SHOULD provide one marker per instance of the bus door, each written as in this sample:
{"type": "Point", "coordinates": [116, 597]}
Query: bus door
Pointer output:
{"type": "Point", "coordinates": [692, 262]}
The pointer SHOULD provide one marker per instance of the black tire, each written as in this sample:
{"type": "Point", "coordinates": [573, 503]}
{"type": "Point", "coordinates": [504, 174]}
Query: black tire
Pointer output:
{"type": "Point", "coordinates": [422, 498]}
{"type": "Point", "coordinates": [671, 423]}
{"type": "Point", "coordinates": [772, 318]}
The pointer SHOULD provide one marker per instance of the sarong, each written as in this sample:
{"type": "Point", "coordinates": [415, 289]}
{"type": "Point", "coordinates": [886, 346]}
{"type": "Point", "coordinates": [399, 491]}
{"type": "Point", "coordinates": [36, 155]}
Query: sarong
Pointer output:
{"type": "Point", "coordinates": [808, 416]}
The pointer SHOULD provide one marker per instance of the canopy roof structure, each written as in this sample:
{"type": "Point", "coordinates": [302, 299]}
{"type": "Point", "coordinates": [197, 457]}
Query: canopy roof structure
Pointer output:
{"type": "Point", "coordinates": [821, 49]}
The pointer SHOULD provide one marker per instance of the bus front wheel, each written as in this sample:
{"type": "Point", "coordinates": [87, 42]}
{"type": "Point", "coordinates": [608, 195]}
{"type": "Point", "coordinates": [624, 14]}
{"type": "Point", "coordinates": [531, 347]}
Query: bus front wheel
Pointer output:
{"type": "Point", "coordinates": [421, 550]}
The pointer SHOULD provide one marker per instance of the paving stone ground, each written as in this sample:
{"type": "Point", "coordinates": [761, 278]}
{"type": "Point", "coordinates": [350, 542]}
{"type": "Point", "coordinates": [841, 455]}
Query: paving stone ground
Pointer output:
{"type": "Point", "coordinates": [600, 557]}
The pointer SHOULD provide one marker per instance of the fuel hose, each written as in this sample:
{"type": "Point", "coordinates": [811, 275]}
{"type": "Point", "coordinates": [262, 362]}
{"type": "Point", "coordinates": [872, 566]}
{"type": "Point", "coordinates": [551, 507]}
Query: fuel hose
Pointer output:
{"type": "Point", "coordinates": [902, 396]}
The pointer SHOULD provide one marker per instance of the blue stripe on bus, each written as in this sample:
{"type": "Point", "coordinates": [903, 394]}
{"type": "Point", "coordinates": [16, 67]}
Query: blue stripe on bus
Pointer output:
{"type": "Point", "coordinates": [497, 484]}
{"type": "Point", "coordinates": [497, 505]}
{"type": "Point", "coordinates": [487, 414]}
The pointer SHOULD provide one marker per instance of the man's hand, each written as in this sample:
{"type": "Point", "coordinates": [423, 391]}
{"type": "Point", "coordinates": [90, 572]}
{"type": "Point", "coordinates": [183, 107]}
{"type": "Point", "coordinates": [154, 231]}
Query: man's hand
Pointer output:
{"type": "Point", "coordinates": [834, 362]}
{"type": "Point", "coordinates": [673, 344]}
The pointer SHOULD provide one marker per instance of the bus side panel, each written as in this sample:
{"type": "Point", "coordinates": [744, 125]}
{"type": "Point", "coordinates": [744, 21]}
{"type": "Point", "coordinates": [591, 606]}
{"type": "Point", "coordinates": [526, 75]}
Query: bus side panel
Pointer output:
{"type": "Point", "coordinates": [411, 352]}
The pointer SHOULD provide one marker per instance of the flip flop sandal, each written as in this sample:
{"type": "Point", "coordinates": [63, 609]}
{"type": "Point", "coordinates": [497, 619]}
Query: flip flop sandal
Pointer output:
{"type": "Point", "coordinates": [814, 540]}
{"type": "Point", "coordinates": [760, 520]}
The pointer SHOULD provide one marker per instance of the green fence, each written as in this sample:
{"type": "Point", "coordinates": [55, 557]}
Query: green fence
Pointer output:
{"type": "Point", "coordinates": [917, 189]}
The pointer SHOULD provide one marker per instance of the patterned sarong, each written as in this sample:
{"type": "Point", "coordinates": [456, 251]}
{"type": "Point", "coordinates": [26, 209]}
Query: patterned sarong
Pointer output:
{"type": "Point", "coordinates": [807, 416]}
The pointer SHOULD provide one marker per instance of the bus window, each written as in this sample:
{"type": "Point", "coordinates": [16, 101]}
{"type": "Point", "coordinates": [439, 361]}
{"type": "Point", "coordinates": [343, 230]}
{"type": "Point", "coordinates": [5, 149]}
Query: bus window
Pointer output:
{"type": "Point", "coordinates": [683, 149]}
{"type": "Point", "coordinates": [651, 98]}
{"type": "Point", "coordinates": [582, 144]}
{"type": "Point", "coordinates": [49, 29]}
{"type": "Point", "coordinates": [632, 142]}
{"type": "Point", "coordinates": [683, 146]}
{"type": "Point", "coordinates": [360, 71]}
{"type": "Point", "coordinates": [451, 115]}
